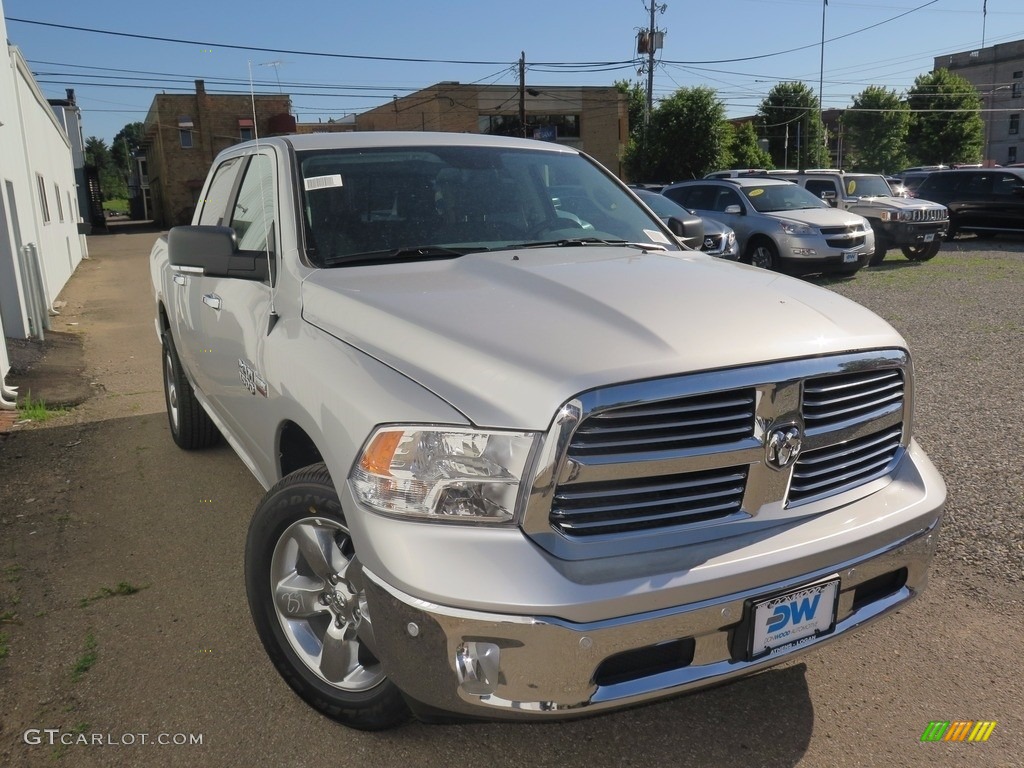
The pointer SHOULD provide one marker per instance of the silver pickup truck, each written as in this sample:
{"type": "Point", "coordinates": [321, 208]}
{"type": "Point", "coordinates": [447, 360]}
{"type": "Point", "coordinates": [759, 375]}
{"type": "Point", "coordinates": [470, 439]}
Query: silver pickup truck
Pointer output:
{"type": "Point", "coordinates": [526, 456]}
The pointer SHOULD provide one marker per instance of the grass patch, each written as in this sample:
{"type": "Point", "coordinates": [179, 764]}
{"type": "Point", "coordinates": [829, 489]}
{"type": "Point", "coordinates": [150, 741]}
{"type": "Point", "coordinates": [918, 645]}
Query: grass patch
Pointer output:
{"type": "Point", "coordinates": [87, 659]}
{"type": "Point", "coordinates": [123, 588]}
{"type": "Point", "coordinates": [36, 410]}
{"type": "Point", "coordinates": [8, 617]}
{"type": "Point", "coordinates": [12, 573]}
{"type": "Point", "coordinates": [117, 205]}
{"type": "Point", "coordinates": [4, 648]}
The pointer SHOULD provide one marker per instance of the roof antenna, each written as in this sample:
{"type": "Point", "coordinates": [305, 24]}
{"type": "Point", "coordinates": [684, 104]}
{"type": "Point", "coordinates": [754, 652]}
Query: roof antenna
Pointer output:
{"type": "Point", "coordinates": [273, 318]}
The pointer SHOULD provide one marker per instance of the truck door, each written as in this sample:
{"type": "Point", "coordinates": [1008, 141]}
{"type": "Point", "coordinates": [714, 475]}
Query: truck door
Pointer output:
{"type": "Point", "coordinates": [235, 315]}
{"type": "Point", "coordinates": [190, 287]}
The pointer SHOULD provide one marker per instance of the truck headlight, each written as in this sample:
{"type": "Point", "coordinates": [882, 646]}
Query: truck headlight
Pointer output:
{"type": "Point", "coordinates": [442, 473]}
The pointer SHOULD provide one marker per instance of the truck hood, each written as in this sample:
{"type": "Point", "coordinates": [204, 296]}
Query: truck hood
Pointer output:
{"type": "Point", "coordinates": [508, 337]}
{"type": "Point", "coordinates": [896, 203]}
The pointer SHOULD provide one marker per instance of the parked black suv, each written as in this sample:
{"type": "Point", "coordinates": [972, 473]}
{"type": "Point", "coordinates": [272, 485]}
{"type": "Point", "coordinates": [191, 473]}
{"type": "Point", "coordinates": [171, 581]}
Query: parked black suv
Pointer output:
{"type": "Point", "coordinates": [981, 200]}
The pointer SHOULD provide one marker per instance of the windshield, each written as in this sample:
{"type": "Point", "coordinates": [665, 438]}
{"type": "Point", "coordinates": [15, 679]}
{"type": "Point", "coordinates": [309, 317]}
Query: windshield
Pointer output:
{"type": "Point", "coordinates": [772, 198]}
{"type": "Point", "coordinates": [867, 186]}
{"type": "Point", "coordinates": [439, 202]}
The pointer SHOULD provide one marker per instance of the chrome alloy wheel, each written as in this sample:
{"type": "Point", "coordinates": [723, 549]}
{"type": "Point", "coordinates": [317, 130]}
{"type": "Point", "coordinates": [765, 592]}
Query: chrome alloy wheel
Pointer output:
{"type": "Point", "coordinates": [172, 388]}
{"type": "Point", "coordinates": [319, 609]}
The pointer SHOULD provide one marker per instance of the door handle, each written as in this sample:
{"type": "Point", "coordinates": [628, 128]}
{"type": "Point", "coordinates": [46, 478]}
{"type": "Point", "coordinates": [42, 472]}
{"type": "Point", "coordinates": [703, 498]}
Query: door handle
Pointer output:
{"type": "Point", "coordinates": [180, 280]}
{"type": "Point", "coordinates": [212, 300]}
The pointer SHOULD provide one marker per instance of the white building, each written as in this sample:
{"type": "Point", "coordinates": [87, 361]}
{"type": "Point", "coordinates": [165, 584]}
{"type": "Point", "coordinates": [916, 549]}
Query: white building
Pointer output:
{"type": "Point", "coordinates": [39, 212]}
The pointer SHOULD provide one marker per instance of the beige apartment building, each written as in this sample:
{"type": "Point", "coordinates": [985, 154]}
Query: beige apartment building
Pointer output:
{"type": "Point", "coordinates": [184, 133]}
{"type": "Point", "coordinates": [998, 74]}
{"type": "Point", "coordinates": [594, 119]}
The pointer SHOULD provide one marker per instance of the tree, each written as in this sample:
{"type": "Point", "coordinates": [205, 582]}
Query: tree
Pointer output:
{"type": "Point", "coordinates": [636, 104]}
{"type": "Point", "coordinates": [745, 149]}
{"type": "Point", "coordinates": [126, 143]}
{"type": "Point", "coordinates": [792, 116]}
{"type": "Point", "coordinates": [875, 131]}
{"type": "Point", "coordinates": [688, 136]}
{"type": "Point", "coordinates": [946, 125]}
{"type": "Point", "coordinates": [97, 153]}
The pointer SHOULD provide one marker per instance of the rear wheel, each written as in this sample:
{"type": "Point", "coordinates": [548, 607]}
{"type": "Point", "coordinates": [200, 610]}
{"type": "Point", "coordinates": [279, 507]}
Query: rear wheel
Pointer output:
{"type": "Point", "coordinates": [191, 427]}
{"type": "Point", "coordinates": [922, 252]}
{"type": "Point", "coordinates": [302, 579]}
{"type": "Point", "coordinates": [763, 254]}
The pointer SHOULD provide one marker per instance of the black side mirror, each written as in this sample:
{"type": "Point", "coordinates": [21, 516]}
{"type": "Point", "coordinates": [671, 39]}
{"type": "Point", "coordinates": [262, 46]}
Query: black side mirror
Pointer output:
{"type": "Point", "coordinates": [214, 250]}
{"type": "Point", "coordinates": [690, 230]}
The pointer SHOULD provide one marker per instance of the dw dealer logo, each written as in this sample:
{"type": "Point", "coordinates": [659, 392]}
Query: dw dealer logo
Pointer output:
{"type": "Point", "coordinates": [958, 730]}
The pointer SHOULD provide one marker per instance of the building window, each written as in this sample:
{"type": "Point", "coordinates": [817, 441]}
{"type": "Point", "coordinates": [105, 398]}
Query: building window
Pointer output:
{"type": "Point", "coordinates": [185, 127]}
{"type": "Point", "coordinates": [1011, 155]}
{"type": "Point", "coordinates": [246, 129]}
{"type": "Point", "coordinates": [60, 203]}
{"type": "Point", "coordinates": [1014, 124]}
{"type": "Point", "coordinates": [42, 199]}
{"type": "Point", "coordinates": [540, 126]}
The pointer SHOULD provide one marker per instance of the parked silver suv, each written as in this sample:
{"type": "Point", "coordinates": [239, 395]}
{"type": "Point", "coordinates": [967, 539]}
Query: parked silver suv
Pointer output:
{"type": "Point", "coordinates": [915, 226]}
{"type": "Point", "coordinates": [780, 225]}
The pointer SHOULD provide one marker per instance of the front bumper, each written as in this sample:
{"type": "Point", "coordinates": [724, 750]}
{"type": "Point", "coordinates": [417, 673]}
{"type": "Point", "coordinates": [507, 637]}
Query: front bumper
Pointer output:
{"type": "Point", "coordinates": [503, 666]}
{"type": "Point", "coordinates": [903, 233]}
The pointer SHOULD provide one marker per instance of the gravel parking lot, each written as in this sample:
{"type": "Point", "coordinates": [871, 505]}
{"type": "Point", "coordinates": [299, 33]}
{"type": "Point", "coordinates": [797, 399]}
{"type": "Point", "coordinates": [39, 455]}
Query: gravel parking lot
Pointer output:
{"type": "Point", "coordinates": [123, 614]}
{"type": "Point", "coordinates": [963, 315]}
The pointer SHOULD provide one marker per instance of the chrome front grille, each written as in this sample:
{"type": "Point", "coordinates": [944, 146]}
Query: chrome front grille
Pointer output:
{"type": "Point", "coordinates": [701, 421]}
{"type": "Point", "coordinates": [929, 214]}
{"type": "Point", "coordinates": [660, 463]}
{"type": "Point", "coordinates": [642, 503]}
{"type": "Point", "coordinates": [832, 400]}
{"type": "Point", "coordinates": [846, 241]}
{"type": "Point", "coordinates": [827, 471]}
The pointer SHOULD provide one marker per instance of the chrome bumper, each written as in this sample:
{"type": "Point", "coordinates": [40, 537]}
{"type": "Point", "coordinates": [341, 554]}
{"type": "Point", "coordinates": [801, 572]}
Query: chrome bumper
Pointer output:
{"type": "Point", "coordinates": [533, 667]}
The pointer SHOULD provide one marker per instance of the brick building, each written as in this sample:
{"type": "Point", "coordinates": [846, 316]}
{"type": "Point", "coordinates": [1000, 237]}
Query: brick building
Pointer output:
{"type": "Point", "coordinates": [594, 119]}
{"type": "Point", "coordinates": [998, 74]}
{"type": "Point", "coordinates": [184, 133]}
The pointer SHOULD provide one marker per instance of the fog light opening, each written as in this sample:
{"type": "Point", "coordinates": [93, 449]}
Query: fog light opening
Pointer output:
{"type": "Point", "coordinates": [478, 665]}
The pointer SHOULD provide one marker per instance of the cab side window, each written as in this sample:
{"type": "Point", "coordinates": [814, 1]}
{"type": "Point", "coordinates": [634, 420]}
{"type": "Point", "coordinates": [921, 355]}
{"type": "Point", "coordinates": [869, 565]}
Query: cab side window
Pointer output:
{"type": "Point", "coordinates": [254, 213]}
{"type": "Point", "coordinates": [817, 186]}
{"type": "Point", "coordinates": [213, 207]}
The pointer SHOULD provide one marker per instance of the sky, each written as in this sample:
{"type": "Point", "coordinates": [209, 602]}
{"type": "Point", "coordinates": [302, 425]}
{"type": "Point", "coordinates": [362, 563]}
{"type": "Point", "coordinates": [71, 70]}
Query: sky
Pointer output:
{"type": "Point", "coordinates": [741, 48]}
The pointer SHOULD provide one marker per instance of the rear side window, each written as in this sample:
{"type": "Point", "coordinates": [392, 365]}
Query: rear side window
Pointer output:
{"type": "Point", "coordinates": [817, 186]}
{"type": "Point", "coordinates": [701, 197]}
{"type": "Point", "coordinates": [214, 205]}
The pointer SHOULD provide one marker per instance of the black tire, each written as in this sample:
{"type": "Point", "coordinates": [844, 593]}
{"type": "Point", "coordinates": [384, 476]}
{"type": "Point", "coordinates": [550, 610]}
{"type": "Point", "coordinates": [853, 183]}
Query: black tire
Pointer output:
{"type": "Point", "coordinates": [881, 248]}
{"type": "Point", "coordinates": [763, 253]}
{"type": "Point", "coordinates": [191, 427]}
{"type": "Point", "coordinates": [298, 540]}
{"type": "Point", "coordinates": [922, 252]}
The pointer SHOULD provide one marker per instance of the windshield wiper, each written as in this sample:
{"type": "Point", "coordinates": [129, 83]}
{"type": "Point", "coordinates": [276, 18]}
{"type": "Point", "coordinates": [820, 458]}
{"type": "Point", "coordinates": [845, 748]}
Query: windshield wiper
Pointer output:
{"type": "Point", "coordinates": [568, 242]}
{"type": "Point", "coordinates": [413, 253]}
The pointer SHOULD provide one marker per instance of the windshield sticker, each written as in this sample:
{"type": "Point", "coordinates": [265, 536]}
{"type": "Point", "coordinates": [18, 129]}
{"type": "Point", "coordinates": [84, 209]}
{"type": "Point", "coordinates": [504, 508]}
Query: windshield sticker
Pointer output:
{"type": "Point", "coordinates": [655, 236]}
{"type": "Point", "coordinates": [323, 182]}
{"type": "Point", "coordinates": [755, 192]}
{"type": "Point", "coordinates": [850, 186]}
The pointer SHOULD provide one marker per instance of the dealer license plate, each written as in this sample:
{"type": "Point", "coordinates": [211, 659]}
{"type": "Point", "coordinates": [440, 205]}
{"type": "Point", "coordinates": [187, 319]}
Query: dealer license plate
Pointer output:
{"type": "Point", "coordinates": [929, 237]}
{"type": "Point", "coordinates": [784, 619]}
{"type": "Point", "coordinates": [849, 257]}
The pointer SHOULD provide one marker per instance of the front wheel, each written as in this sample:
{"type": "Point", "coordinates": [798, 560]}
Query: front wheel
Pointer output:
{"type": "Point", "coordinates": [763, 254]}
{"type": "Point", "coordinates": [881, 247]}
{"type": "Point", "coordinates": [922, 252]}
{"type": "Point", "coordinates": [307, 605]}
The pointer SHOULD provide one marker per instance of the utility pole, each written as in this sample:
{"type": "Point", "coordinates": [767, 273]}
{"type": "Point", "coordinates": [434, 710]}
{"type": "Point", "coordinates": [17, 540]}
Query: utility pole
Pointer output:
{"type": "Point", "coordinates": [522, 92]}
{"type": "Point", "coordinates": [649, 41]}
